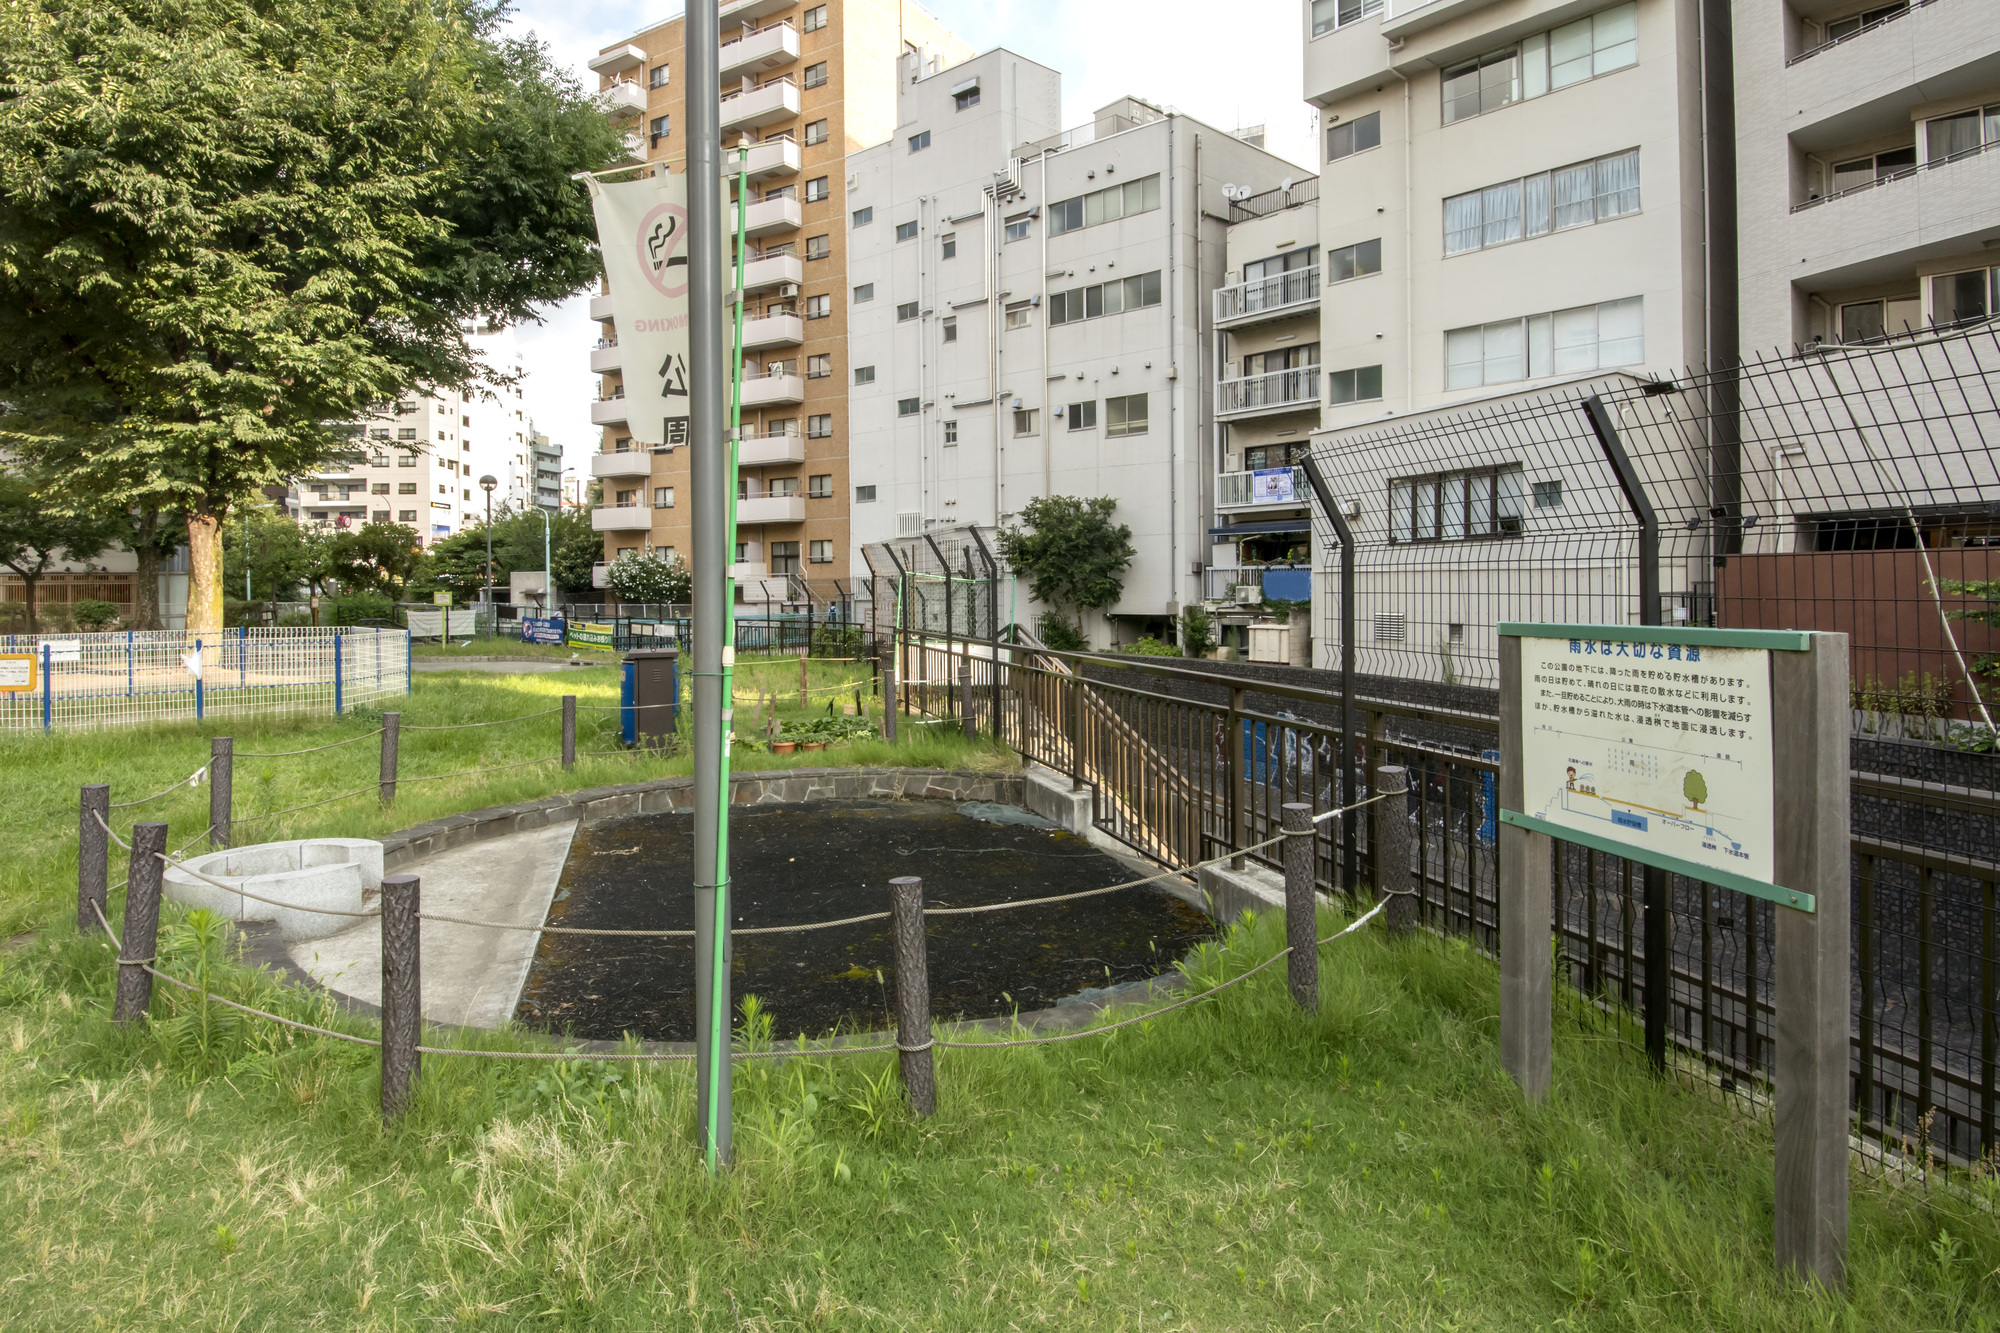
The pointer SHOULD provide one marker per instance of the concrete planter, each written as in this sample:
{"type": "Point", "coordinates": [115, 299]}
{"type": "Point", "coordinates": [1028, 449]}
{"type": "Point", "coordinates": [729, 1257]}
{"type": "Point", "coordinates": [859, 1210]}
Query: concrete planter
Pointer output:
{"type": "Point", "coordinates": [334, 873]}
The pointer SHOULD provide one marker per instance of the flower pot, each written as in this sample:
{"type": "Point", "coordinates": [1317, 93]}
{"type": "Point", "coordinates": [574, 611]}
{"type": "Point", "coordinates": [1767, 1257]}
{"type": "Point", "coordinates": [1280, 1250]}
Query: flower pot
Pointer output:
{"type": "Point", "coordinates": [783, 747]}
{"type": "Point", "coordinates": [815, 745]}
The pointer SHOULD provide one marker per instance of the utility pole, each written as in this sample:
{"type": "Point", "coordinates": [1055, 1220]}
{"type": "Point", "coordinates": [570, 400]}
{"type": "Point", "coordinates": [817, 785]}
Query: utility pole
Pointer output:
{"type": "Point", "coordinates": [487, 483]}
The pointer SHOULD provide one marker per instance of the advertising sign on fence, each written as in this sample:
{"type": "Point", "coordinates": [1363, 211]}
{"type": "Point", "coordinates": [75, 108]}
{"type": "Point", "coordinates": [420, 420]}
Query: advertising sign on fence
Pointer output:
{"type": "Point", "coordinates": [17, 672]}
{"type": "Point", "coordinates": [537, 630]}
{"type": "Point", "coordinates": [1272, 485]}
{"type": "Point", "coordinates": [64, 650]}
{"type": "Point", "coordinates": [592, 634]}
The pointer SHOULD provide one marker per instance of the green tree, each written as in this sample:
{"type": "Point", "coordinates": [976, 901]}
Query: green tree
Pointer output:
{"type": "Point", "coordinates": [1197, 631]}
{"type": "Point", "coordinates": [650, 579]}
{"type": "Point", "coordinates": [376, 557]}
{"type": "Point", "coordinates": [227, 226]}
{"type": "Point", "coordinates": [33, 536]}
{"type": "Point", "coordinates": [281, 555]}
{"type": "Point", "coordinates": [576, 549]}
{"type": "Point", "coordinates": [1071, 551]}
{"type": "Point", "coordinates": [1695, 787]}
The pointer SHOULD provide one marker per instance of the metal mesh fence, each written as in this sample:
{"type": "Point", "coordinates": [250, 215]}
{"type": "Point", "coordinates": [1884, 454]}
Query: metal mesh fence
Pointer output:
{"type": "Point", "coordinates": [85, 682]}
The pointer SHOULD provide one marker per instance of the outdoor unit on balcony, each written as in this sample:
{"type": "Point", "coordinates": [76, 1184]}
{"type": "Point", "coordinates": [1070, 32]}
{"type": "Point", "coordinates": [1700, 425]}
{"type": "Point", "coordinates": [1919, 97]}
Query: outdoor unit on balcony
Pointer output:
{"type": "Point", "coordinates": [1249, 594]}
{"type": "Point", "coordinates": [788, 289]}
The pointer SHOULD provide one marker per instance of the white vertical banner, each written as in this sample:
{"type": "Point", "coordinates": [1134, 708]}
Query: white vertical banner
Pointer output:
{"type": "Point", "coordinates": [642, 229]}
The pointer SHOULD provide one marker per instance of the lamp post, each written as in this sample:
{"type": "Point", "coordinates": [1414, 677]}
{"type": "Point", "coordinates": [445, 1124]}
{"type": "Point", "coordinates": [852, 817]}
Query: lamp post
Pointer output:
{"type": "Point", "coordinates": [548, 566]}
{"type": "Point", "coordinates": [487, 483]}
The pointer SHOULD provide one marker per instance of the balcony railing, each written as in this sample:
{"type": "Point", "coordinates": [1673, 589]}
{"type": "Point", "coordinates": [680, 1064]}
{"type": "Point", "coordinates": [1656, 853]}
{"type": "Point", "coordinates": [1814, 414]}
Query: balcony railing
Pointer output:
{"type": "Point", "coordinates": [1864, 29]}
{"type": "Point", "coordinates": [1904, 173]}
{"type": "Point", "coordinates": [1273, 391]}
{"type": "Point", "coordinates": [1267, 487]}
{"type": "Point", "coordinates": [1267, 296]}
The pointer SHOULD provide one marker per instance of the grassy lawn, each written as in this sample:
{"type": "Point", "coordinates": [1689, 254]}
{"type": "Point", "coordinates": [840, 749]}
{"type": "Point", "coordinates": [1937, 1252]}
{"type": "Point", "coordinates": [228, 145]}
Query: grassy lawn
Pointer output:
{"type": "Point", "coordinates": [1235, 1166]}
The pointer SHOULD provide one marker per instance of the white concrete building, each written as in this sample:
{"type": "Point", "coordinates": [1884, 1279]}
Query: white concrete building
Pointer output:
{"type": "Point", "coordinates": [1029, 315]}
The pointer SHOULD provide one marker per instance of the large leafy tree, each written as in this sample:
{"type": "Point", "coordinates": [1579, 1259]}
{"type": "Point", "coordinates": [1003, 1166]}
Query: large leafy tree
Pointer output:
{"type": "Point", "coordinates": [34, 537]}
{"type": "Point", "coordinates": [1073, 554]}
{"type": "Point", "coordinates": [227, 226]}
{"type": "Point", "coordinates": [376, 557]}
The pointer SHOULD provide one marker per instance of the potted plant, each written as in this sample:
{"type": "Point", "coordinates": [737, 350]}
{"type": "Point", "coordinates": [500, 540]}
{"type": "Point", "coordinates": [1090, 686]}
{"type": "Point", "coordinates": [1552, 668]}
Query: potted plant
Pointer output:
{"type": "Point", "coordinates": [783, 747]}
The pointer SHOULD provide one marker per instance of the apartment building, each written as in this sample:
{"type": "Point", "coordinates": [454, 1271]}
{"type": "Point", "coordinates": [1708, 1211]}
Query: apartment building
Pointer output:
{"type": "Point", "coordinates": [418, 460]}
{"type": "Point", "coordinates": [548, 469]}
{"type": "Point", "coordinates": [1868, 150]}
{"type": "Point", "coordinates": [1512, 193]}
{"type": "Point", "coordinates": [1029, 316]}
{"type": "Point", "coordinates": [806, 86]}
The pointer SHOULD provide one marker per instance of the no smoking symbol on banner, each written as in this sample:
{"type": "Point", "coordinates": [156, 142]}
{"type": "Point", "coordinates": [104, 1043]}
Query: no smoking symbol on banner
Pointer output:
{"type": "Point", "coordinates": [661, 239]}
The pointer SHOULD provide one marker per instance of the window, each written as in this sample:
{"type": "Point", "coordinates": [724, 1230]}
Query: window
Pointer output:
{"type": "Point", "coordinates": [1105, 205]}
{"type": "Point", "coordinates": [865, 292]}
{"type": "Point", "coordinates": [406, 515]}
{"type": "Point", "coordinates": [406, 460]}
{"type": "Point", "coordinates": [406, 488]}
{"type": "Point", "coordinates": [1026, 421]}
{"type": "Point", "coordinates": [819, 366]}
{"type": "Point", "coordinates": [1877, 167]}
{"type": "Point", "coordinates": [815, 132]}
{"type": "Point", "coordinates": [379, 433]}
{"type": "Point", "coordinates": [1017, 228]}
{"type": "Point", "coordinates": [380, 488]}
{"type": "Point", "coordinates": [864, 374]}
{"type": "Point", "coordinates": [785, 426]}
{"type": "Point", "coordinates": [1330, 14]}
{"type": "Point", "coordinates": [1082, 416]}
{"type": "Point", "coordinates": [967, 98]}
{"type": "Point", "coordinates": [948, 245]}
{"type": "Point", "coordinates": [1125, 416]}
{"type": "Point", "coordinates": [822, 551]}
{"type": "Point", "coordinates": [407, 433]}
{"type": "Point", "coordinates": [658, 78]}
{"type": "Point", "coordinates": [920, 141]}
{"type": "Point", "coordinates": [1485, 84]}
{"type": "Point", "coordinates": [818, 247]}
{"type": "Point", "coordinates": [1547, 61]}
{"type": "Point", "coordinates": [951, 328]}
{"type": "Point", "coordinates": [1854, 23]}
{"type": "Point", "coordinates": [1363, 384]}
{"type": "Point", "coordinates": [819, 426]}
{"type": "Point", "coordinates": [1957, 296]}
{"type": "Point", "coordinates": [1945, 137]}
{"type": "Point", "coordinates": [816, 189]}
{"type": "Point", "coordinates": [864, 495]}
{"type": "Point", "coordinates": [1356, 136]}
{"type": "Point", "coordinates": [908, 407]}
{"type": "Point", "coordinates": [1573, 196]}
{"type": "Point", "coordinates": [783, 488]}
{"type": "Point", "coordinates": [661, 127]}
{"type": "Point", "coordinates": [405, 408]}
{"type": "Point", "coordinates": [1353, 261]}
{"type": "Point", "coordinates": [951, 432]}
{"type": "Point", "coordinates": [820, 487]}
{"type": "Point", "coordinates": [624, 499]}
{"type": "Point", "coordinates": [819, 307]}
{"type": "Point", "coordinates": [1018, 314]}
{"type": "Point", "coordinates": [784, 557]}
{"type": "Point", "coordinates": [1548, 495]}
{"type": "Point", "coordinates": [1564, 342]}
{"type": "Point", "coordinates": [906, 231]}
{"type": "Point", "coordinates": [815, 75]}
{"type": "Point", "coordinates": [663, 497]}
{"type": "Point", "coordinates": [1133, 293]}
{"type": "Point", "coordinates": [863, 216]}
{"type": "Point", "coordinates": [1455, 506]}
{"type": "Point", "coordinates": [906, 310]}
{"type": "Point", "coordinates": [815, 18]}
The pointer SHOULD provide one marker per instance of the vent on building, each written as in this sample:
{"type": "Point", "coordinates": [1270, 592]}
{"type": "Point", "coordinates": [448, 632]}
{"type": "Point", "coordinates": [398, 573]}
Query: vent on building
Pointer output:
{"type": "Point", "coordinates": [909, 524]}
{"type": "Point", "coordinates": [1388, 627]}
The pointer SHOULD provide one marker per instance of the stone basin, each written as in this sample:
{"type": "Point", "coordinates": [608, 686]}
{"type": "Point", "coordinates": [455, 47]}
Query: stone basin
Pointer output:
{"type": "Point", "coordinates": [337, 873]}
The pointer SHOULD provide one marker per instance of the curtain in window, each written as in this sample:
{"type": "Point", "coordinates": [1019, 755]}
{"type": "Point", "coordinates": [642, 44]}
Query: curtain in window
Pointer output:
{"type": "Point", "coordinates": [1574, 190]}
{"type": "Point", "coordinates": [1621, 332]}
{"type": "Point", "coordinates": [1618, 185]}
{"type": "Point", "coordinates": [1463, 224]}
{"type": "Point", "coordinates": [1501, 205]}
{"type": "Point", "coordinates": [1952, 134]}
{"type": "Point", "coordinates": [1956, 296]}
{"type": "Point", "coordinates": [1574, 333]}
{"type": "Point", "coordinates": [1535, 204]}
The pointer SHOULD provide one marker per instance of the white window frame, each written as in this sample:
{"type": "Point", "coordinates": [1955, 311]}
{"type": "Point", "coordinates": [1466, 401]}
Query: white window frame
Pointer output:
{"type": "Point", "coordinates": [1507, 351]}
{"type": "Point", "coordinates": [1535, 205]}
{"type": "Point", "coordinates": [1118, 419]}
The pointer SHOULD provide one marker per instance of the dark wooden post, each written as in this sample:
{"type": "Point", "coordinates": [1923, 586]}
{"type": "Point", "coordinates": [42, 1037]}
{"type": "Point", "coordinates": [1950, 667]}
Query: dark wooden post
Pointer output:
{"type": "Point", "coordinates": [1527, 1037]}
{"type": "Point", "coordinates": [221, 780]}
{"type": "Point", "coordinates": [1391, 829]}
{"type": "Point", "coordinates": [970, 722]}
{"type": "Point", "coordinates": [1233, 749]}
{"type": "Point", "coordinates": [93, 855]}
{"type": "Point", "coordinates": [569, 732]}
{"type": "Point", "coordinates": [1075, 727]}
{"type": "Point", "coordinates": [402, 991]}
{"type": "Point", "coordinates": [1301, 907]}
{"type": "Point", "coordinates": [889, 697]}
{"type": "Point", "coordinates": [392, 731]}
{"type": "Point", "coordinates": [142, 922]}
{"type": "Point", "coordinates": [803, 692]}
{"type": "Point", "coordinates": [913, 992]}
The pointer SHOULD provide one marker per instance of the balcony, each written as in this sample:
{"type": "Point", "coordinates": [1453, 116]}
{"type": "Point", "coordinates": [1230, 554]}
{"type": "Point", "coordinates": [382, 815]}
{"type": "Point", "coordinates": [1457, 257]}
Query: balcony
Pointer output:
{"type": "Point", "coordinates": [1270, 488]}
{"type": "Point", "coordinates": [769, 270]}
{"type": "Point", "coordinates": [771, 509]}
{"type": "Point", "coordinates": [606, 411]}
{"type": "Point", "coordinates": [772, 215]}
{"type": "Point", "coordinates": [600, 307]}
{"type": "Point", "coordinates": [1268, 394]}
{"type": "Point", "coordinates": [622, 99]}
{"type": "Point", "coordinates": [772, 390]}
{"type": "Point", "coordinates": [603, 359]}
{"type": "Point", "coordinates": [775, 101]}
{"type": "Point", "coordinates": [629, 463]}
{"type": "Point", "coordinates": [619, 59]}
{"type": "Point", "coordinates": [748, 571]}
{"type": "Point", "coordinates": [767, 450]}
{"type": "Point", "coordinates": [1279, 296]}
{"type": "Point", "coordinates": [758, 52]}
{"type": "Point", "coordinates": [773, 331]}
{"type": "Point", "coordinates": [622, 518]}
{"type": "Point", "coordinates": [738, 12]}
{"type": "Point", "coordinates": [773, 157]}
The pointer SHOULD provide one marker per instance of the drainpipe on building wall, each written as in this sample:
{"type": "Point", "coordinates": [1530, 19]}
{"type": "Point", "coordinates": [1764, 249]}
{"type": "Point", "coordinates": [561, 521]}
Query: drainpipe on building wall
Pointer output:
{"type": "Point", "coordinates": [1409, 252]}
{"type": "Point", "coordinates": [1173, 383]}
{"type": "Point", "coordinates": [993, 352]}
{"type": "Point", "coordinates": [1048, 420]}
{"type": "Point", "coordinates": [924, 477]}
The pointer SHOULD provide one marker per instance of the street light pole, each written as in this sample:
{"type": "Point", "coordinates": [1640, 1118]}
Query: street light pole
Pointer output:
{"type": "Point", "coordinates": [487, 483]}
{"type": "Point", "coordinates": [548, 566]}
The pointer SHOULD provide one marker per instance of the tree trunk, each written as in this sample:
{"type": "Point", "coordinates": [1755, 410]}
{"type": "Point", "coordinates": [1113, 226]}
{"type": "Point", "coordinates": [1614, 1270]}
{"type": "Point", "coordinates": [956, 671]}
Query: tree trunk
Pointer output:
{"type": "Point", "coordinates": [146, 587]}
{"type": "Point", "coordinates": [204, 604]}
{"type": "Point", "coordinates": [28, 582]}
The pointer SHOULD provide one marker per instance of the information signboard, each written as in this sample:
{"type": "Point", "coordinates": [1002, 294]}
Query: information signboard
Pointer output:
{"type": "Point", "coordinates": [537, 630]}
{"type": "Point", "coordinates": [591, 634]}
{"type": "Point", "coordinates": [18, 671]}
{"type": "Point", "coordinates": [1653, 743]}
{"type": "Point", "coordinates": [1273, 485]}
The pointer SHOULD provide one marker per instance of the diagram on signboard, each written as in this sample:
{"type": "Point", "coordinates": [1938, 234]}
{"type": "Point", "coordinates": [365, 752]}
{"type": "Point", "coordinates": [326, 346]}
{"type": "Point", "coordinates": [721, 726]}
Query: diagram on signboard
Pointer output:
{"type": "Point", "coordinates": [1651, 791]}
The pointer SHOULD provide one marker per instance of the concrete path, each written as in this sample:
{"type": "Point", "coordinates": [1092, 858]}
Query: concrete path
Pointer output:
{"type": "Point", "coordinates": [472, 976]}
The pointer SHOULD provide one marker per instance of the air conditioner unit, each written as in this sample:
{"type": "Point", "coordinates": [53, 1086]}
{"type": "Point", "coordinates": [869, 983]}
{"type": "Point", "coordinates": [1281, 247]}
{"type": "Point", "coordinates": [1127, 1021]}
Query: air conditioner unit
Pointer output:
{"type": "Point", "coordinates": [1249, 594]}
{"type": "Point", "coordinates": [786, 289]}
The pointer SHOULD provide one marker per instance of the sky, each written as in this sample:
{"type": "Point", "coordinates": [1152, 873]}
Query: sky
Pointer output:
{"type": "Point", "coordinates": [1230, 67]}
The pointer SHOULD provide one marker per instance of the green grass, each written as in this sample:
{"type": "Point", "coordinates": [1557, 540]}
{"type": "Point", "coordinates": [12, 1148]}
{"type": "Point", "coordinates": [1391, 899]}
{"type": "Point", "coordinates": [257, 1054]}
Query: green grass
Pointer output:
{"type": "Point", "coordinates": [1236, 1166]}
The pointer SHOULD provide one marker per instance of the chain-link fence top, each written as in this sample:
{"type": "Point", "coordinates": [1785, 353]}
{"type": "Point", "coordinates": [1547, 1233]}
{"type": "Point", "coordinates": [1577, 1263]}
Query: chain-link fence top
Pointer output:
{"type": "Point", "coordinates": [940, 583]}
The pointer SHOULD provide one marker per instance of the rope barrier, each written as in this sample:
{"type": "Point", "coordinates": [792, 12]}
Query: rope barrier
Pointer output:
{"type": "Point", "coordinates": [497, 722]}
{"type": "Point", "coordinates": [287, 754]}
{"type": "Point", "coordinates": [190, 778]}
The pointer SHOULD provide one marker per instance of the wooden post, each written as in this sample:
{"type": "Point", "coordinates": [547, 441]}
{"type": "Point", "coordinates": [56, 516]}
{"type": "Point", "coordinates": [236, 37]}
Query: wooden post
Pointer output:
{"type": "Point", "coordinates": [1233, 748]}
{"type": "Point", "coordinates": [913, 992]}
{"type": "Point", "coordinates": [1301, 906]}
{"type": "Point", "coordinates": [1390, 826]}
{"type": "Point", "coordinates": [1076, 728]}
{"type": "Point", "coordinates": [802, 681]}
{"type": "Point", "coordinates": [889, 697]}
{"type": "Point", "coordinates": [93, 855]}
{"type": "Point", "coordinates": [142, 922]}
{"type": "Point", "coordinates": [1526, 915]}
{"type": "Point", "coordinates": [392, 730]}
{"type": "Point", "coordinates": [221, 781]}
{"type": "Point", "coordinates": [1810, 971]}
{"type": "Point", "coordinates": [970, 722]}
{"type": "Point", "coordinates": [569, 733]}
{"type": "Point", "coordinates": [402, 991]}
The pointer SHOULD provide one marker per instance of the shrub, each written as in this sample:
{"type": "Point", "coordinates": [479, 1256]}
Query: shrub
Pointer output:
{"type": "Point", "coordinates": [837, 641]}
{"type": "Point", "coordinates": [1151, 647]}
{"type": "Point", "coordinates": [354, 608]}
{"type": "Point", "coordinates": [92, 614]}
{"type": "Point", "coordinates": [1197, 631]}
{"type": "Point", "coordinates": [1058, 633]}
